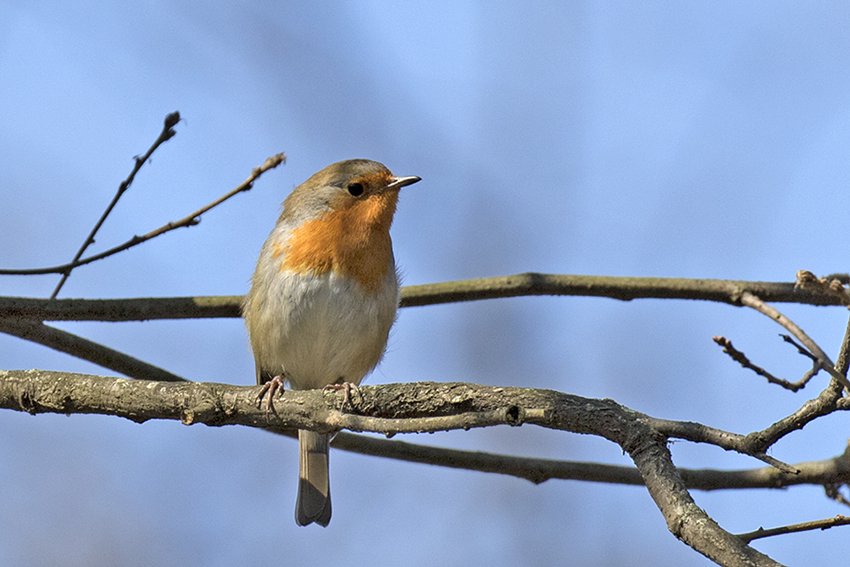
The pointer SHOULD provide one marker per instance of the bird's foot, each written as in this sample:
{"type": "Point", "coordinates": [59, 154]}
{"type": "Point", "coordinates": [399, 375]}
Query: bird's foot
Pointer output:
{"type": "Point", "coordinates": [346, 387]}
{"type": "Point", "coordinates": [272, 387]}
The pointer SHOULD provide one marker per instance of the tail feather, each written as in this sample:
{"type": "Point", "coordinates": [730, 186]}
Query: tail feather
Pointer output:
{"type": "Point", "coordinates": [314, 490]}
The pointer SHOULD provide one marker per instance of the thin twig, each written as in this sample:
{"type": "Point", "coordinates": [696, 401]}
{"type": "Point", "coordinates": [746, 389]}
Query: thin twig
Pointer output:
{"type": "Point", "coordinates": [824, 524]}
{"type": "Point", "coordinates": [742, 359]}
{"type": "Point", "coordinates": [189, 220]}
{"type": "Point", "coordinates": [833, 492]}
{"type": "Point", "coordinates": [800, 348]}
{"type": "Point", "coordinates": [842, 363]}
{"type": "Point", "coordinates": [167, 133]}
{"type": "Point", "coordinates": [828, 401]}
{"type": "Point", "coordinates": [754, 302]}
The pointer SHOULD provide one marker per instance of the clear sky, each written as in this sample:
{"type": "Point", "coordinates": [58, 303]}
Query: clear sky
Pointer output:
{"type": "Point", "coordinates": [703, 140]}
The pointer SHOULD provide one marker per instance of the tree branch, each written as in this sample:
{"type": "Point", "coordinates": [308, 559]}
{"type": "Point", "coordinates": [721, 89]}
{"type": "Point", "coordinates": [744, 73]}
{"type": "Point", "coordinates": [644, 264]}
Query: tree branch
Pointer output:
{"type": "Point", "coordinates": [742, 359]}
{"type": "Point", "coordinates": [386, 409]}
{"type": "Point", "coordinates": [79, 347]}
{"type": "Point", "coordinates": [529, 284]}
{"type": "Point", "coordinates": [623, 288]}
{"type": "Point", "coordinates": [167, 133]}
{"type": "Point", "coordinates": [835, 470]}
{"type": "Point", "coordinates": [834, 285]}
{"type": "Point", "coordinates": [831, 471]}
{"type": "Point", "coordinates": [794, 528]}
{"type": "Point", "coordinates": [759, 305]}
{"type": "Point", "coordinates": [190, 220]}
{"type": "Point", "coordinates": [698, 433]}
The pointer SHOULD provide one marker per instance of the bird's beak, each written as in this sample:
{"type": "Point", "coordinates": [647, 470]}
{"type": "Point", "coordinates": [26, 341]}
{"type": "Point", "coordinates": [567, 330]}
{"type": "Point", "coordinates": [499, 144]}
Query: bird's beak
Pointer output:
{"type": "Point", "coordinates": [399, 182]}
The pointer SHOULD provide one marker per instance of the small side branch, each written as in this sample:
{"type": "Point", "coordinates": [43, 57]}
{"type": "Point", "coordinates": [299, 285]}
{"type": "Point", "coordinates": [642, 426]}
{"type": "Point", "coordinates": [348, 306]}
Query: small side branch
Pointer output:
{"type": "Point", "coordinates": [751, 445]}
{"type": "Point", "coordinates": [742, 359]}
{"type": "Point", "coordinates": [794, 528]}
{"type": "Point", "coordinates": [85, 349]}
{"type": "Point", "coordinates": [754, 302]}
{"type": "Point", "coordinates": [190, 220]}
{"type": "Point", "coordinates": [829, 472]}
{"type": "Point", "coordinates": [167, 133]}
{"type": "Point", "coordinates": [833, 492]}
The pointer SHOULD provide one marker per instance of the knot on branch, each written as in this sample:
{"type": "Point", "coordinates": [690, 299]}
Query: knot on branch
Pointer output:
{"type": "Point", "coordinates": [833, 285]}
{"type": "Point", "coordinates": [754, 442]}
{"type": "Point", "coordinates": [514, 416]}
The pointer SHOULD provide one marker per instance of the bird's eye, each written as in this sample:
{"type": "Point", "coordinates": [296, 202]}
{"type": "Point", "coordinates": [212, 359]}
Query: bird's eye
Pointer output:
{"type": "Point", "coordinates": [355, 189]}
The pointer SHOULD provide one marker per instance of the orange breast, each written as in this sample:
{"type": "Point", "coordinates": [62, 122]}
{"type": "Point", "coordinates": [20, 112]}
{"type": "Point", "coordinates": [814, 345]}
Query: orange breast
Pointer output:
{"type": "Point", "coordinates": [353, 242]}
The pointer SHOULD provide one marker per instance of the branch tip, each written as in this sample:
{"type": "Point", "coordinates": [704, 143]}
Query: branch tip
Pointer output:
{"type": "Point", "coordinates": [171, 120]}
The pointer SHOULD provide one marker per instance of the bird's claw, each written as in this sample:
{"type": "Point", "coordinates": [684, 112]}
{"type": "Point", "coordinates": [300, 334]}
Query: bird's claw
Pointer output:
{"type": "Point", "coordinates": [346, 387]}
{"type": "Point", "coordinates": [272, 387]}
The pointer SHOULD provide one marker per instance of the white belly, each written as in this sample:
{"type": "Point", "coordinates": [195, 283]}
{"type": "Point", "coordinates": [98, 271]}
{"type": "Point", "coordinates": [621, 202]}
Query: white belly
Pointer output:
{"type": "Point", "coordinates": [318, 330]}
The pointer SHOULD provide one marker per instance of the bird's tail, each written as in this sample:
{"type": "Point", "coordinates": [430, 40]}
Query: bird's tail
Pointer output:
{"type": "Point", "coordinates": [314, 489]}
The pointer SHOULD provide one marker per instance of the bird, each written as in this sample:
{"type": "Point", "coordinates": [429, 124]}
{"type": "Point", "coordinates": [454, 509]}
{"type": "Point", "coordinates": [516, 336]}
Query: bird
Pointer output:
{"type": "Point", "coordinates": [323, 298]}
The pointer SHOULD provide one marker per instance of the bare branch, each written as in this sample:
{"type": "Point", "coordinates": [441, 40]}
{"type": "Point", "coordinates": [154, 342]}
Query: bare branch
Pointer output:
{"type": "Point", "coordinates": [167, 133]}
{"type": "Point", "coordinates": [698, 433]}
{"type": "Point", "coordinates": [190, 220]}
{"type": "Point", "coordinates": [623, 288]}
{"type": "Point", "coordinates": [381, 407]}
{"type": "Point", "coordinates": [794, 528]}
{"type": "Point", "coordinates": [532, 469]}
{"type": "Point", "coordinates": [74, 345]}
{"type": "Point", "coordinates": [141, 309]}
{"type": "Point", "coordinates": [833, 492]}
{"type": "Point", "coordinates": [842, 363]}
{"type": "Point", "coordinates": [742, 359]}
{"type": "Point", "coordinates": [530, 284]}
{"type": "Point", "coordinates": [832, 471]}
{"type": "Point", "coordinates": [751, 300]}
{"type": "Point", "coordinates": [828, 401]}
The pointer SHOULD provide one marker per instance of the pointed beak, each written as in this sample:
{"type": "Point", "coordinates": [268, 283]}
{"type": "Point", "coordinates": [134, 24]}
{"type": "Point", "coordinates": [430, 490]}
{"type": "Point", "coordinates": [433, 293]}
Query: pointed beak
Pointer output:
{"type": "Point", "coordinates": [399, 182]}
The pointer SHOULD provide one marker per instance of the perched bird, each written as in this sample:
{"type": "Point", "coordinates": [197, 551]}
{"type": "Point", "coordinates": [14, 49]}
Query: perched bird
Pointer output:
{"type": "Point", "coordinates": [323, 298]}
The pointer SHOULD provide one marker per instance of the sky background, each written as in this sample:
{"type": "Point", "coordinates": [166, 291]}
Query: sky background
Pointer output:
{"type": "Point", "coordinates": [645, 139]}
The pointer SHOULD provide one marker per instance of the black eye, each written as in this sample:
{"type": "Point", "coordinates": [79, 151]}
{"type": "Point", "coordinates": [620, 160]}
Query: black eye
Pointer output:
{"type": "Point", "coordinates": [355, 189]}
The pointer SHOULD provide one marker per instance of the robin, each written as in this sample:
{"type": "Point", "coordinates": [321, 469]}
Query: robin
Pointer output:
{"type": "Point", "coordinates": [323, 298]}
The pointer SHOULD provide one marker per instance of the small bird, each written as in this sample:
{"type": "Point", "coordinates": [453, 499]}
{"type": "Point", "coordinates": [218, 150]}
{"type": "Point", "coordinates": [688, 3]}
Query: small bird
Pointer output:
{"type": "Point", "coordinates": [323, 299]}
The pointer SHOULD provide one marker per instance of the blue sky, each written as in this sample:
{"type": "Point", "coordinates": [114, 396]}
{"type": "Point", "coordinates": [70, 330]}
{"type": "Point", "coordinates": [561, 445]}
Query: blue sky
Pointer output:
{"type": "Point", "coordinates": [651, 139]}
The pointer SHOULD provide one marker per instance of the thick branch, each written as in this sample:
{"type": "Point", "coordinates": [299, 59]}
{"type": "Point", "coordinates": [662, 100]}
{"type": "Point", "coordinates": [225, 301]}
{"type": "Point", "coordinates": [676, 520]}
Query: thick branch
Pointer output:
{"type": "Point", "coordinates": [384, 409]}
{"type": "Point", "coordinates": [685, 519]}
{"type": "Point", "coordinates": [831, 471]}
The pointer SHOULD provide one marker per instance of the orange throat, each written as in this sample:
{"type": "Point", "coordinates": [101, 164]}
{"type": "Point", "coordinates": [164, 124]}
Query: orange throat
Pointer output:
{"type": "Point", "coordinates": [353, 242]}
